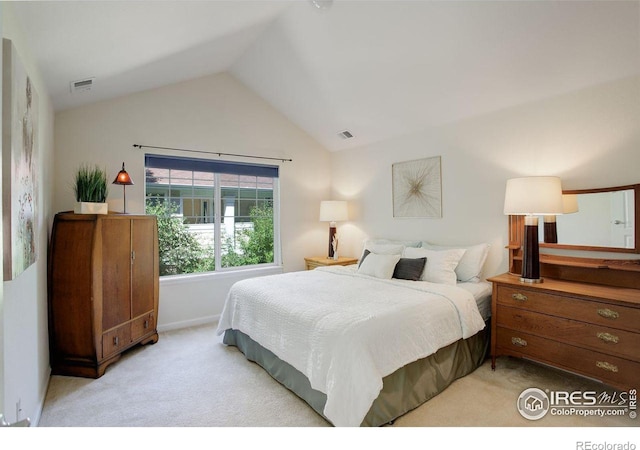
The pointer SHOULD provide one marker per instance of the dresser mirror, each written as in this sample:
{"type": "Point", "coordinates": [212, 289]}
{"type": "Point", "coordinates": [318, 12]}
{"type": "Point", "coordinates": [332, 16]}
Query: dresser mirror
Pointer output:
{"type": "Point", "coordinates": [604, 220]}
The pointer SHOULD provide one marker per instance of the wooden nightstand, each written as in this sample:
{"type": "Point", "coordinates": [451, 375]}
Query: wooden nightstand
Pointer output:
{"type": "Point", "coordinates": [319, 261]}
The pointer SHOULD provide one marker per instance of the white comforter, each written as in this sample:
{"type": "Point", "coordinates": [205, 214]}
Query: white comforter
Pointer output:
{"type": "Point", "coordinates": [346, 331]}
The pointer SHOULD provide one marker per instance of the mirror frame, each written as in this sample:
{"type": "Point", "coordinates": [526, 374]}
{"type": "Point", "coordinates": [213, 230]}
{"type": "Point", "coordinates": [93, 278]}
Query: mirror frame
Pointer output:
{"type": "Point", "coordinates": [636, 238]}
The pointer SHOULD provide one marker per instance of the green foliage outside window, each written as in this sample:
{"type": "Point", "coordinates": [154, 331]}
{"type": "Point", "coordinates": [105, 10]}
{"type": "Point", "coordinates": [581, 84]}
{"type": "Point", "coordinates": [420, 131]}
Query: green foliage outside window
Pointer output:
{"type": "Point", "coordinates": [180, 251]}
{"type": "Point", "coordinates": [255, 243]}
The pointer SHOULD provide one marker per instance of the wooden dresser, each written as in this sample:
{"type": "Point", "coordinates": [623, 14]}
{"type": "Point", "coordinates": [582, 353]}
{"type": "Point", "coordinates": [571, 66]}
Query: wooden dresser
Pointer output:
{"type": "Point", "coordinates": [589, 329]}
{"type": "Point", "coordinates": [103, 289]}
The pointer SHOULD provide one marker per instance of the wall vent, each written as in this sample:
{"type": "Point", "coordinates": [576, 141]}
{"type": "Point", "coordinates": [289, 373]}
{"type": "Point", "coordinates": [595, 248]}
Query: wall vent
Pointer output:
{"type": "Point", "coordinates": [82, 85]}
{"type": "Point", "coordinates": [346, 134]}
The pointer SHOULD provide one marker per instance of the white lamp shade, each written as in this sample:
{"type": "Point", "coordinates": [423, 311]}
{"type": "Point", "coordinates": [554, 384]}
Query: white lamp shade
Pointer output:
{"type": "Point", "coordinates": [533, 196]}
{"type": "Point", "coordinates": [333, 210]}
{"type": "Point", "coordinates": [570, 203]}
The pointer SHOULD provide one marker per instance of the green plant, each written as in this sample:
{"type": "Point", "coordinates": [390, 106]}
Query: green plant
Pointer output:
{"type": "Point", "coordinates": [179, 250]}
{"type": "Point", "coordinates": [256, 243]}
{"type": "Point", "coordinates": [91, 184]}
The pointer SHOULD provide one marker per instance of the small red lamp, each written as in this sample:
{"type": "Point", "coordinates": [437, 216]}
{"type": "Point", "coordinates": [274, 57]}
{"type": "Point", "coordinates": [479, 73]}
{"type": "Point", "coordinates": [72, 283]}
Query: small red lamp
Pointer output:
{"type": "Point", "coordinates": [124, 180]}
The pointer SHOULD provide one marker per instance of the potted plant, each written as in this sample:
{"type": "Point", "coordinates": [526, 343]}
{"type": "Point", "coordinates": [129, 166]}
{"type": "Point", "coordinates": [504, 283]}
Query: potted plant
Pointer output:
{"type": "Point", "coordinates": [91, 190]}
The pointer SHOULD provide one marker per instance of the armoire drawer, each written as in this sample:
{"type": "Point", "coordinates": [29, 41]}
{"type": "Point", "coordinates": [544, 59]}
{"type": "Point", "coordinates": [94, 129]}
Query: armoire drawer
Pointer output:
{"type": "Point", "coordinates": [142, 326]}
{"type": "Point", "coordinates": [581, 334]}
{"type": "Point", "coordinates": [116, 340]}
{"type": "Point", "coordinates": [607, 368]}
{"type": "Point", "coordinates": [608, 315]}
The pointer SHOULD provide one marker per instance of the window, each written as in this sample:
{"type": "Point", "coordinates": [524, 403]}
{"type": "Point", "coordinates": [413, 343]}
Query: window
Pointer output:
{"type": "Point", "coordinates": [212, 214]}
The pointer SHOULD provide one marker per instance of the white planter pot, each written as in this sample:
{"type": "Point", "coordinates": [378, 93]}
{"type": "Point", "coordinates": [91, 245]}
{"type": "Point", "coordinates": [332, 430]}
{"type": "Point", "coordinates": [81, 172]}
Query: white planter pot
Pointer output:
{"type": "Point", "coordinates": [91, 208]}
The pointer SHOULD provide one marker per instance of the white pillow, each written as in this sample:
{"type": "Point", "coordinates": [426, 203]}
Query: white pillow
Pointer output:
{"type": "Point", "coordinates": [379, 266]}
{"type": "Point", "coordinates": [382, 249]}
{"type": "Point", "coordinates": [441, 264]}
{"type": "Point", "coordinates": [471, 264]}
{"type": "Point", "coordinates": [383, 241]}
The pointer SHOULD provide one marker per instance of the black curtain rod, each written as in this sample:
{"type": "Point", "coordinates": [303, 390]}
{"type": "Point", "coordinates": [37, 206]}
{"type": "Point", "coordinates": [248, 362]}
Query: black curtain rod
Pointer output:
{"type": "Point", "coordinates": [213, 153]}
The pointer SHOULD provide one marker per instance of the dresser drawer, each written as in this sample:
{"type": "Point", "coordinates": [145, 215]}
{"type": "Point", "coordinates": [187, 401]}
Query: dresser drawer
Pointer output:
{"type": "Point", "coordinates": [116, 340]}
{"type": "Point", "coordinates": [607, 368]}
{"type": "Point", "coordinates": [608, 315]}
{"type": "Point", "coordinates": [142, 326]}
{"type": "Point", "coordinates": [595, 337]}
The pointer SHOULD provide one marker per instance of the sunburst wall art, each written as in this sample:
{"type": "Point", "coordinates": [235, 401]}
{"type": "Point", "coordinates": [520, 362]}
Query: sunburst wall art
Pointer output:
{"type": "Point", "coordinates": [417, 188]}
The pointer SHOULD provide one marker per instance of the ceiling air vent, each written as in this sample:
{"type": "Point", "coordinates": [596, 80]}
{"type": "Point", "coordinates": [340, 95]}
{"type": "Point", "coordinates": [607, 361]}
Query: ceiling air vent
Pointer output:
{"type": "Point", "coordinates": [346, 134]}
{"type": "Point", "coordinates": [82, 85]}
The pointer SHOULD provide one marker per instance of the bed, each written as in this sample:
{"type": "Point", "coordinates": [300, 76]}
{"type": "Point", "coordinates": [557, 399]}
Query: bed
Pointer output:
{"type": "Point", "coordinates": [360, 346]}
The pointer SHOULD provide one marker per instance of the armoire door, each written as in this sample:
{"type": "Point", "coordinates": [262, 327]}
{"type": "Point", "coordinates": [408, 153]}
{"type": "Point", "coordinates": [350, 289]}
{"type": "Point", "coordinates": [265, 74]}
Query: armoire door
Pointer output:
{"type": "Point", "coordinates": [143, 238]}
{"type": "Point", "coordinates": [116, 272]}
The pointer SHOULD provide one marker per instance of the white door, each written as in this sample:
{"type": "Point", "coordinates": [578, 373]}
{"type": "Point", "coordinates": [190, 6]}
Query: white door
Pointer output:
{"type": "Point", "coordinates": [622, 214]}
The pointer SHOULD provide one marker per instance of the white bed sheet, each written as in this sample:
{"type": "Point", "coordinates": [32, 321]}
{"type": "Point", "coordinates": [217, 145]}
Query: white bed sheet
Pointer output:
{"type": "Point", "coordinates": [352, 332]}
{"type": "Point", "coordinates": [481, 291]}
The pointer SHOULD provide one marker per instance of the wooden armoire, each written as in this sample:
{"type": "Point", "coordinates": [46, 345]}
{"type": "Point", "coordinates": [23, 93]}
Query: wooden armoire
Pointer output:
{"type": "Point", "coordinates": [102, 288]}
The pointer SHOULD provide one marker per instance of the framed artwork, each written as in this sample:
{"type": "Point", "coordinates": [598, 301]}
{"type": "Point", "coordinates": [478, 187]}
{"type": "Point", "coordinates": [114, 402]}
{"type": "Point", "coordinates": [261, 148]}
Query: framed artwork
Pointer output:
{"type": "Point", "coordinates": [417, 188]}
{"type": "Point", "coordinates": [19, 165]}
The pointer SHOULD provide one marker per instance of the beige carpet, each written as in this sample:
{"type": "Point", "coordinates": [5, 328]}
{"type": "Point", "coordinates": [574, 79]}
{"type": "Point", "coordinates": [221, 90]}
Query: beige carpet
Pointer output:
{"type": "Point", "coordinates": [190, 379]}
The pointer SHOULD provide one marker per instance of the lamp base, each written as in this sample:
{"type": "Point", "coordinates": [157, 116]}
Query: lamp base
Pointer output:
{"type": "Point", "coordinates": [550, 230]}
{"type": "Point", "coordinates": [332, 232]}
{"type": "Point", "coordinates": [530, 253]}
{"type": "Point", "coordinates": [531, 280]}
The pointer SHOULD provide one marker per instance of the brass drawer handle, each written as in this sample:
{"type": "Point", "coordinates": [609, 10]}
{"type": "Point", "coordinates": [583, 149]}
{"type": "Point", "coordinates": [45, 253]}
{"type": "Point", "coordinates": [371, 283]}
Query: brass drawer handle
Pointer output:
{"type": "Point", "coordinates": [519, 297]}
{"type": "Point", "coordinates": [518, 342]}
{"type": "Point", "coordinates": [116, 341]}
{"type": "Point", "coordinates": [609, 338]}
{"type": "Point", "coordinates": [146, 324]}
{"type": "Point", "coordinates": [608, 314]}
{"type": "Point", "coordinates": [606, 366]}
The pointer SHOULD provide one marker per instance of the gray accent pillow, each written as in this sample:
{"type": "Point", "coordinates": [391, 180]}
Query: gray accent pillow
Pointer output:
{"type": "Point", "coordinates": [409, 268]}
{"type": "Point", "coordinates": [364, 255]}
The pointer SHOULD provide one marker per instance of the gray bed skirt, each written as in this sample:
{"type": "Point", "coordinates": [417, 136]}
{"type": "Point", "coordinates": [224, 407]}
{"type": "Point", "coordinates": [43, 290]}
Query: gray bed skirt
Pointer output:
{"type": "Point", "coordinates": [402, 391]}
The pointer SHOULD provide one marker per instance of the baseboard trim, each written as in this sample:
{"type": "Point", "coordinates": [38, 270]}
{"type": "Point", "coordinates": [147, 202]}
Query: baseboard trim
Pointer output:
{"type": "Point", "coordinates": [188, 323]}
{"type": "Point", "coordinates": [35, 421]}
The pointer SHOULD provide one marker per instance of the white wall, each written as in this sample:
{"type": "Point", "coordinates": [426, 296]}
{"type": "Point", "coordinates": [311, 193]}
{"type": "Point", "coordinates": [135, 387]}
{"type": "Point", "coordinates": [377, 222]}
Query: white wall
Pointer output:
{"type": "Point", "coordinates": [589, 138]}
{"type": "Point", "coordinates": [26, 365]}
{"type": "Point", "coordinates": [2, 386]}
{"type": "Point", "coordinates": [213, 113]}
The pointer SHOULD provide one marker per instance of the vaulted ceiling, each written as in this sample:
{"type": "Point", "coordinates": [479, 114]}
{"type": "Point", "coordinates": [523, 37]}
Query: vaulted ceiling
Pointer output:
{"type": "Point", "coordinates": [379, 69]}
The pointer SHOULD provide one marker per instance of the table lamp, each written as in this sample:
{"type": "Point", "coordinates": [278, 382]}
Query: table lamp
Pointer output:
{"type": "Point", "coordinates": [531, 197]}
{"type": "Point", "coordinates": [124, 180]}
{"type": "Point", "coordinates": [332, 211]}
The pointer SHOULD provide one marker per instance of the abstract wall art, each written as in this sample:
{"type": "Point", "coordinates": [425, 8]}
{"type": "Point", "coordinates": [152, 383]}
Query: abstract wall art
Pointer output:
{"type": "Point", "coordinates": [417, 188]}
{"type": "Point", "coordinates": [19, 165]}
